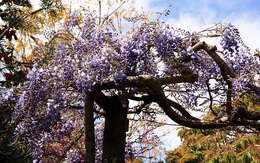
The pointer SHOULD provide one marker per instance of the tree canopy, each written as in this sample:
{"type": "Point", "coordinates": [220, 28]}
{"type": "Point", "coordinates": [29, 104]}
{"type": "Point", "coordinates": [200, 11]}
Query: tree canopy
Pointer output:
{"type": "Point", "coordinates": [20, 22]}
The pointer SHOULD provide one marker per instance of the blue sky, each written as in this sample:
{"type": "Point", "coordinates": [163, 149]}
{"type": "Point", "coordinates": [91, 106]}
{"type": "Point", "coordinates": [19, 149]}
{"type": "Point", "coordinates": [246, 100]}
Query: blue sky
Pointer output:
{"type": "Point", "coordinates": [224, 8]}
{"type": "Point", "coordinates": [196, 15]}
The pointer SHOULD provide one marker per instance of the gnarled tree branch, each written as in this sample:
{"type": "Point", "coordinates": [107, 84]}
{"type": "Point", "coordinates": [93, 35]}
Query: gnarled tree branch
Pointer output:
{"type": "Point", "coordinates": [143, 80]}
{"type": "Point", "coordinates": [211, 100]}
{"type": "Point", "coordinates": [162, 100]}
{"type": "Point", "coordinates": [182, 110]}
{"type": "Point", "coordinates": [211, 50]}
{"type": "Point", "coordinates": [226, 71]}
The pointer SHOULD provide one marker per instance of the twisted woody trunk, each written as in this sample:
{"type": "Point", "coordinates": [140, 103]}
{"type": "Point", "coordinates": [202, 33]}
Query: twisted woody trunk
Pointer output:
{"type": "Point", "coordinates": [116, 125]}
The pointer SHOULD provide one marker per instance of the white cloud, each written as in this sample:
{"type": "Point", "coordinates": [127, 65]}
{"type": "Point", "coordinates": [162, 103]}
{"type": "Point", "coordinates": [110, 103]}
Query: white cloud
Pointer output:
{"type": "Point", "coordinates": [249, 29]}
{"type": "Point", "coordinates": [142, 5]}
{"type": "Point", "coordinates": [170, 140]}
{"type": "Point", "coordinates": [247, 24]}
{"type": "Point", "coordinates": [187, 22]}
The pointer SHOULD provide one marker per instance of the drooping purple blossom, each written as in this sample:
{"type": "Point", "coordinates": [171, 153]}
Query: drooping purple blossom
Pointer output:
{"type": "Point", "coordinates": [73, 20]}
{"type": "Point", "coordinates": [230, 39]}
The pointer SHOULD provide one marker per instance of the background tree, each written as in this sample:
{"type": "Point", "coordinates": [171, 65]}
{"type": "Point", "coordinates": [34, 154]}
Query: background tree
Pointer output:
{"type": "Point", "coordinates": [233, 145]}
{"type": "Point", "coordinates": [10, 21]}
{"type": "Point", "coordinates": [20, 21]}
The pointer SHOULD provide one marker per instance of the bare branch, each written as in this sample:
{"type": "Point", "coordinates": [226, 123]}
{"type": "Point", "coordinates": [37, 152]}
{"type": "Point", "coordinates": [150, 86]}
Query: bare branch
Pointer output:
{"type": "Point", "coordinates": [140, 108]}
{"type": "Point", "coordinates": [70, 145]}
{"type": "Point", "coordinates": [107, 17]}
{"type": "Point", "coordinates": [211, 100]}
{"type": "Point", "coordinates": [226, 71]}
{"type": "Point", "coordinates": [99, 9]}
{"type": "Point", "coordinates": [156, 122]}
{"type": "Point", "coordinates": [3, 33]}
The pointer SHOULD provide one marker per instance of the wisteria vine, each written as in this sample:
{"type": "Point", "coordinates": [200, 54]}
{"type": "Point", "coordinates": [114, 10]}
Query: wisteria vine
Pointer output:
{"type": "Point", "coordinates": [96, 54]}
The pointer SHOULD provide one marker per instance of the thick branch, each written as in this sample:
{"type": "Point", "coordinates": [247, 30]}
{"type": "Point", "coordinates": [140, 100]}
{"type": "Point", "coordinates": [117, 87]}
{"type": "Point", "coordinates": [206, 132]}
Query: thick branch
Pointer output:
{"type": "Point", "coordinates": [163, 103]}
{"type": "Point", "coordinates": [181, 110]}
{"type": "Point", "coordinates": [226, 72]}
{"type": "Point", "coordinates": [142, 98]}
{"type": "Point", "coordinates": [211, 50]}
{"type": "Point", "coordinates": [229, 98]}
{"type": "Point", "coordinates": [242, 113]}
{"type": "Point", "coordinates": [144, 80]}
{"type": "Point", "coordinates": [102, 100]}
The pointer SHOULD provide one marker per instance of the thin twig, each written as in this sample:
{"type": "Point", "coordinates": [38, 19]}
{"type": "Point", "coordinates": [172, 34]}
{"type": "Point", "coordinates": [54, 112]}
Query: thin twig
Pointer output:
{"type": "Point", "coordinates": [160, 123]}
{"type": "Point", "coordinates": [99, 4]}
{"type": "Point", "coordinates": [211, 99]}
{"type": "Point", "coordinates": [107, 17]}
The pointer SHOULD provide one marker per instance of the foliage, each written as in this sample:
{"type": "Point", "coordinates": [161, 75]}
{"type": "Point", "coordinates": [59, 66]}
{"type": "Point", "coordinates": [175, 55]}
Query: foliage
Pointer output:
{"type": "Point", "coordinates": [10, 21]}
{"type": "Point", "coordinates": [233, 145]}
{"type": "Point", "coordinates": [19, 21]}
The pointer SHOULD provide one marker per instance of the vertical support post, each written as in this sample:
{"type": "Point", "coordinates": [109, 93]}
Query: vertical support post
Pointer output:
{"type": "Point", "coordinates": [89, 127]}
{"type": "Point", "coordinates": [116, 125]}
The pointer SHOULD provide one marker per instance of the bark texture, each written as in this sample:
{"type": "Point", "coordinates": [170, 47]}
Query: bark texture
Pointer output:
{"type": "Point", "coordinates": [89, 128]}
{"type": "Point", "coordinates": [115, 132]}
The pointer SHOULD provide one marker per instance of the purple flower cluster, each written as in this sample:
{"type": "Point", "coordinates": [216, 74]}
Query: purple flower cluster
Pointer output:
{"type": "Point", "coordinates": [167, 42]}
{"type": "Point", "coordinates": [230, 37]}
{"type": "Point", "coordinates": [73, 20]}
{"type": "Point", "coordinates": [75, 156]}
{"type": "Point", "coordinates": [136, 55]}
{"type": "Point", "coordinates": [6, 96]}
{"type": "Point", "coordinates": [239, 58]}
